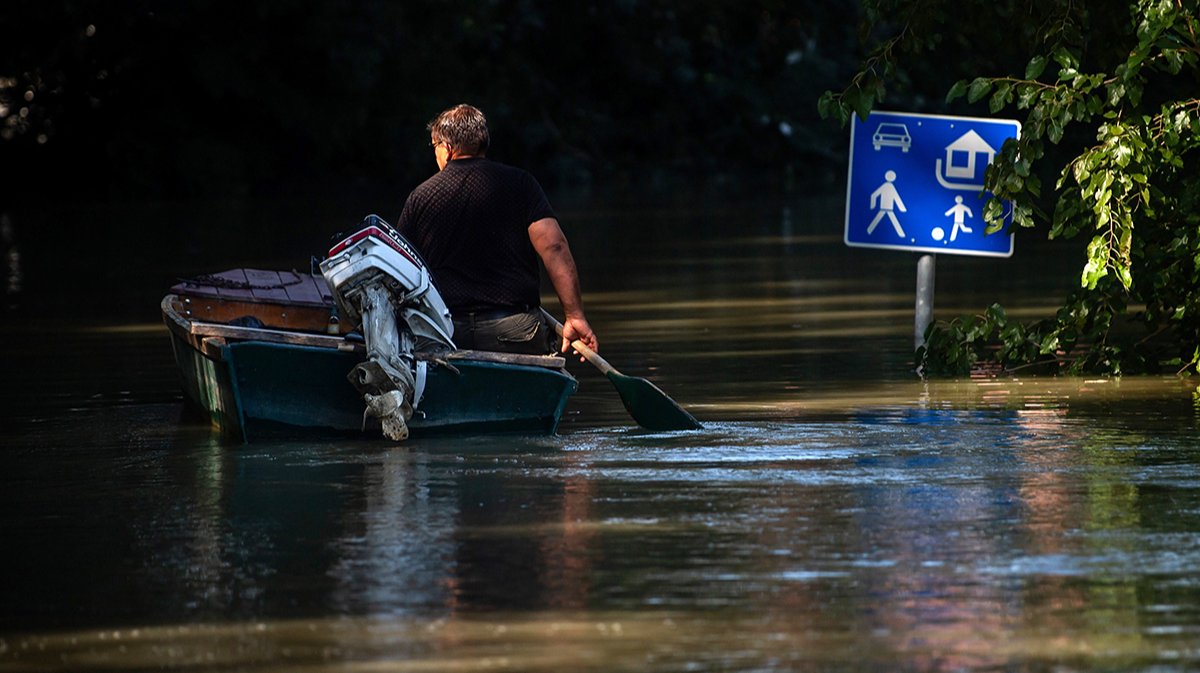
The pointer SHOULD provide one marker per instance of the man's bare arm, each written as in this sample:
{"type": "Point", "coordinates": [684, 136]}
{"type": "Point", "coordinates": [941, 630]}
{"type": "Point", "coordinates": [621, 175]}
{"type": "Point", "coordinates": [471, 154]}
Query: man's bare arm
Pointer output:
{"type": "Point", "coordinates": [551, 245]}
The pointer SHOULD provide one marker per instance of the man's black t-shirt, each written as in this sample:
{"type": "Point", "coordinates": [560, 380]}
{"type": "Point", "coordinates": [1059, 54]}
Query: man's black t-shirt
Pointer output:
{"type": "Point", "coordinates": [470, 222]}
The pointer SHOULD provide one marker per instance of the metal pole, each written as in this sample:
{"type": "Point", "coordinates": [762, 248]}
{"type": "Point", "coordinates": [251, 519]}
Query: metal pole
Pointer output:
{"type": "Point", "coordinates": [924, 309]}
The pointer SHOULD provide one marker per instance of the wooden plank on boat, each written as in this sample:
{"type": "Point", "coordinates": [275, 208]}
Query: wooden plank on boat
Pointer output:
{"type": "Point", "coordinates": [235, 285]}
{"type": "Point", "coordinates": [207, 329]}
{"type": "Point", "coordinates": [257, 285]}
{"type": "Point", "coordinates": [293, 317]}
{"type": "Point", "coordinates": [211, 346]}
{"type": "Point", "coordinates": [270, 286]}
{"type": "Point", "coordinates": [311, 290]}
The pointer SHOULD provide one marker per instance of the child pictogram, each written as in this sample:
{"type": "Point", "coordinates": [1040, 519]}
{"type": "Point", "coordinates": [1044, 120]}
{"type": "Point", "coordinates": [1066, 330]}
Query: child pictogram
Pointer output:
{"type": "Point", "coordinates": [958, 210]}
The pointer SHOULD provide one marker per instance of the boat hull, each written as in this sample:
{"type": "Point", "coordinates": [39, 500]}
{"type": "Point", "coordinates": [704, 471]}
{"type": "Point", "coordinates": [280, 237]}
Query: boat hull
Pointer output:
{"type": "Point", "coordinates": [266, 383]}
{"type": "Point", "coordinates": [258, 390]}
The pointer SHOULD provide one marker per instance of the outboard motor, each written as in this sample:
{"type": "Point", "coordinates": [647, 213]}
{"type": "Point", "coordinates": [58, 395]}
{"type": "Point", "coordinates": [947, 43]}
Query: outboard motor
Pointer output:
{"type": "Point", "coordinates": [380, 283]}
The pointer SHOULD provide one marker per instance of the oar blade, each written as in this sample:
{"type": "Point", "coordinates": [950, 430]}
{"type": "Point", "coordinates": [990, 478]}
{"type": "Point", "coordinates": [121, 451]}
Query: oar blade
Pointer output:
{"type": "Point", "coordinates": [649, 406]}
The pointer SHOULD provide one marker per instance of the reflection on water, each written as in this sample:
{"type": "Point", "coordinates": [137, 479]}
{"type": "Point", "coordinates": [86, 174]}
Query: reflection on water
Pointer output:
{"type": "Point", "coordinates": [948, 536]}
{"type": "Point", "coordinates": [12, 260]}
{"type": "Point", "coordinates": [833, 514]}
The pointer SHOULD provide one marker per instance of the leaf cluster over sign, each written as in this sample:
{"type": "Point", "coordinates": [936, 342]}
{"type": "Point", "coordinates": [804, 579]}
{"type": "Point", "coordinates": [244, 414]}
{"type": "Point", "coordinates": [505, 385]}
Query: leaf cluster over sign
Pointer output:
{"type": "Point", "coordinates": [1130, 73]}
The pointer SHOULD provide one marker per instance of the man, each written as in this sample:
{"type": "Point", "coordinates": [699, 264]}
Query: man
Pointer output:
{"type": "Point", "coordinates": [481, 227]}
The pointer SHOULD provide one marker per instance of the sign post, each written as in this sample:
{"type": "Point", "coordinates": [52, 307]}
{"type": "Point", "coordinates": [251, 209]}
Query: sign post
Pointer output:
{"type": "Point", "coordinates": [924, 310]}
{"type": "Point", "coordinates": [915, 184]}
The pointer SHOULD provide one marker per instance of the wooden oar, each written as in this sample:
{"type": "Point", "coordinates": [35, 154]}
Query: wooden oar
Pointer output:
{"type": "Point", "coordinates": [649, 406]}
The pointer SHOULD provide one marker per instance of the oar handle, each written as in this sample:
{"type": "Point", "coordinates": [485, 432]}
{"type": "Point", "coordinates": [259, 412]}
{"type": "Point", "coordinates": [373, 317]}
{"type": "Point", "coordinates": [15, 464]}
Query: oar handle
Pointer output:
{"type": "Point", "coordinates": [581, 348]}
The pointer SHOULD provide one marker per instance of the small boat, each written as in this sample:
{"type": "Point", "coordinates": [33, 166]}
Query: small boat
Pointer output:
{"type": "Point", "coordinates": [264, 355]}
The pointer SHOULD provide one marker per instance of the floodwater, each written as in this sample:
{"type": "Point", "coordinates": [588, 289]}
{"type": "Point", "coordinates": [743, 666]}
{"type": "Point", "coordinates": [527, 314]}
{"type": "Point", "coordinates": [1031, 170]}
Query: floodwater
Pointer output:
{"type": "Point", "coordinates": [834, 514]}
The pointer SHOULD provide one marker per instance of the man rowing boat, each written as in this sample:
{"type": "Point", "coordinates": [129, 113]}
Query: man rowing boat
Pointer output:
{"type": "Point", "coordinates": [482, 226]}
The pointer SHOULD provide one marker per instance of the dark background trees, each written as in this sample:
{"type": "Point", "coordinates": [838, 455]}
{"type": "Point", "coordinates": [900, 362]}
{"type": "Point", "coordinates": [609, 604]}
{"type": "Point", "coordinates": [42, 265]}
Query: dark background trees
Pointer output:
{"type": "Point", "coordinates": [216, 98]}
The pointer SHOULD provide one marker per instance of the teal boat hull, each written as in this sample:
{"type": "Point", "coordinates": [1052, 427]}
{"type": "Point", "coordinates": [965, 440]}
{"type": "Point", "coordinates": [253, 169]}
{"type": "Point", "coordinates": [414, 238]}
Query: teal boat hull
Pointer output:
{"type": "Point", "coordinates": [256, 390]}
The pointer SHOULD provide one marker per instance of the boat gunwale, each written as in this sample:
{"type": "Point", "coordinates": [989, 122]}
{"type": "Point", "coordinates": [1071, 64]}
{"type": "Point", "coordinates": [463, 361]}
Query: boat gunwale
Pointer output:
{"type": "Point", "coordinates": [198, 333]}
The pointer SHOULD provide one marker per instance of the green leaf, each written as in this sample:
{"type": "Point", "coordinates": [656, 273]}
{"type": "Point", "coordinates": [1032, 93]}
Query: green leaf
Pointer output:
{"type": "Point", "coordinates": [1065, 58]}
{"type": "Point", "coordinates": [1026, 96]}
{"type": "Point", "coordinates": [979, 88]}
{"type": "Point", "coordinates": [1001, 98]}
{"type": "Point", "coordinates": [1035, 68]}
{"type": "Point", "coordinates": [997, 315]}
{"type": "Point", "coordinates": [1097, 264]}
{"type": "Point", "coordinates": [957, 91]}
{"type": "Point", "coordinates": [1125, 276]}
{"type": "Point", "coordinates": [825, 105]}
{"type": "Point", "coordinates": [1049, 344]}
{"type": "Point", "coordinates": [1056, 132]}
{"type": "Point", "coordinates": [861, 102]}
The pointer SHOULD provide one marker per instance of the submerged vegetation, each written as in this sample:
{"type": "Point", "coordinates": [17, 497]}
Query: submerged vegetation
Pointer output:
{"type": "Point", "coordinates": [1111, 117]}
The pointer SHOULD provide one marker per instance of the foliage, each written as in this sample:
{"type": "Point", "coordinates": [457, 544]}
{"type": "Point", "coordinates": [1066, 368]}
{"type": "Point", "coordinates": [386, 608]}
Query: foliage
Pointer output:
{"type": "Point", "coordinates": [1128, 72]}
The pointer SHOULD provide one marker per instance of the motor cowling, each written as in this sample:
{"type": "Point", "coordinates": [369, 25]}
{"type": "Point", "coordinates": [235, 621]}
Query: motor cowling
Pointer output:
{"type": "Point", "coordinates": [381, 284]}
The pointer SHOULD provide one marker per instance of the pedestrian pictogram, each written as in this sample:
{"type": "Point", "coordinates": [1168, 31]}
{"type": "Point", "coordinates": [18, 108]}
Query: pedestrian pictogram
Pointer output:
{"type": "Point", "coordinates": [924, 176]}
{"type": "Point", "coordinates": [889, 201]}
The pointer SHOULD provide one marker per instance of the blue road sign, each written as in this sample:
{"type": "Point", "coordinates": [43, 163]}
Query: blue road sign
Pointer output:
{"type": "Point", "coordinates": [916, 183]}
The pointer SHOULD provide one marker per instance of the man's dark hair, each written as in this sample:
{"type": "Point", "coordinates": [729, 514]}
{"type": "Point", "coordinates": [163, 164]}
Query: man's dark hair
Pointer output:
{"type": "Point", "coordinates": [463, 127]}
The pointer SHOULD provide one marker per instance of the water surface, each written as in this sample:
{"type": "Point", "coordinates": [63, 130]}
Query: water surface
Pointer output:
{"type": "Point", "coordinates": [835, 513]}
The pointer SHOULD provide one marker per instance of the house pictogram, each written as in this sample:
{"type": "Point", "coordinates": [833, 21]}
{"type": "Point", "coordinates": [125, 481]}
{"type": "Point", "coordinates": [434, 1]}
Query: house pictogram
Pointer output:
{"type": "Point", "coordinates": [962, 162]}
{"type": "Point", "coordinates": [960, 155]}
